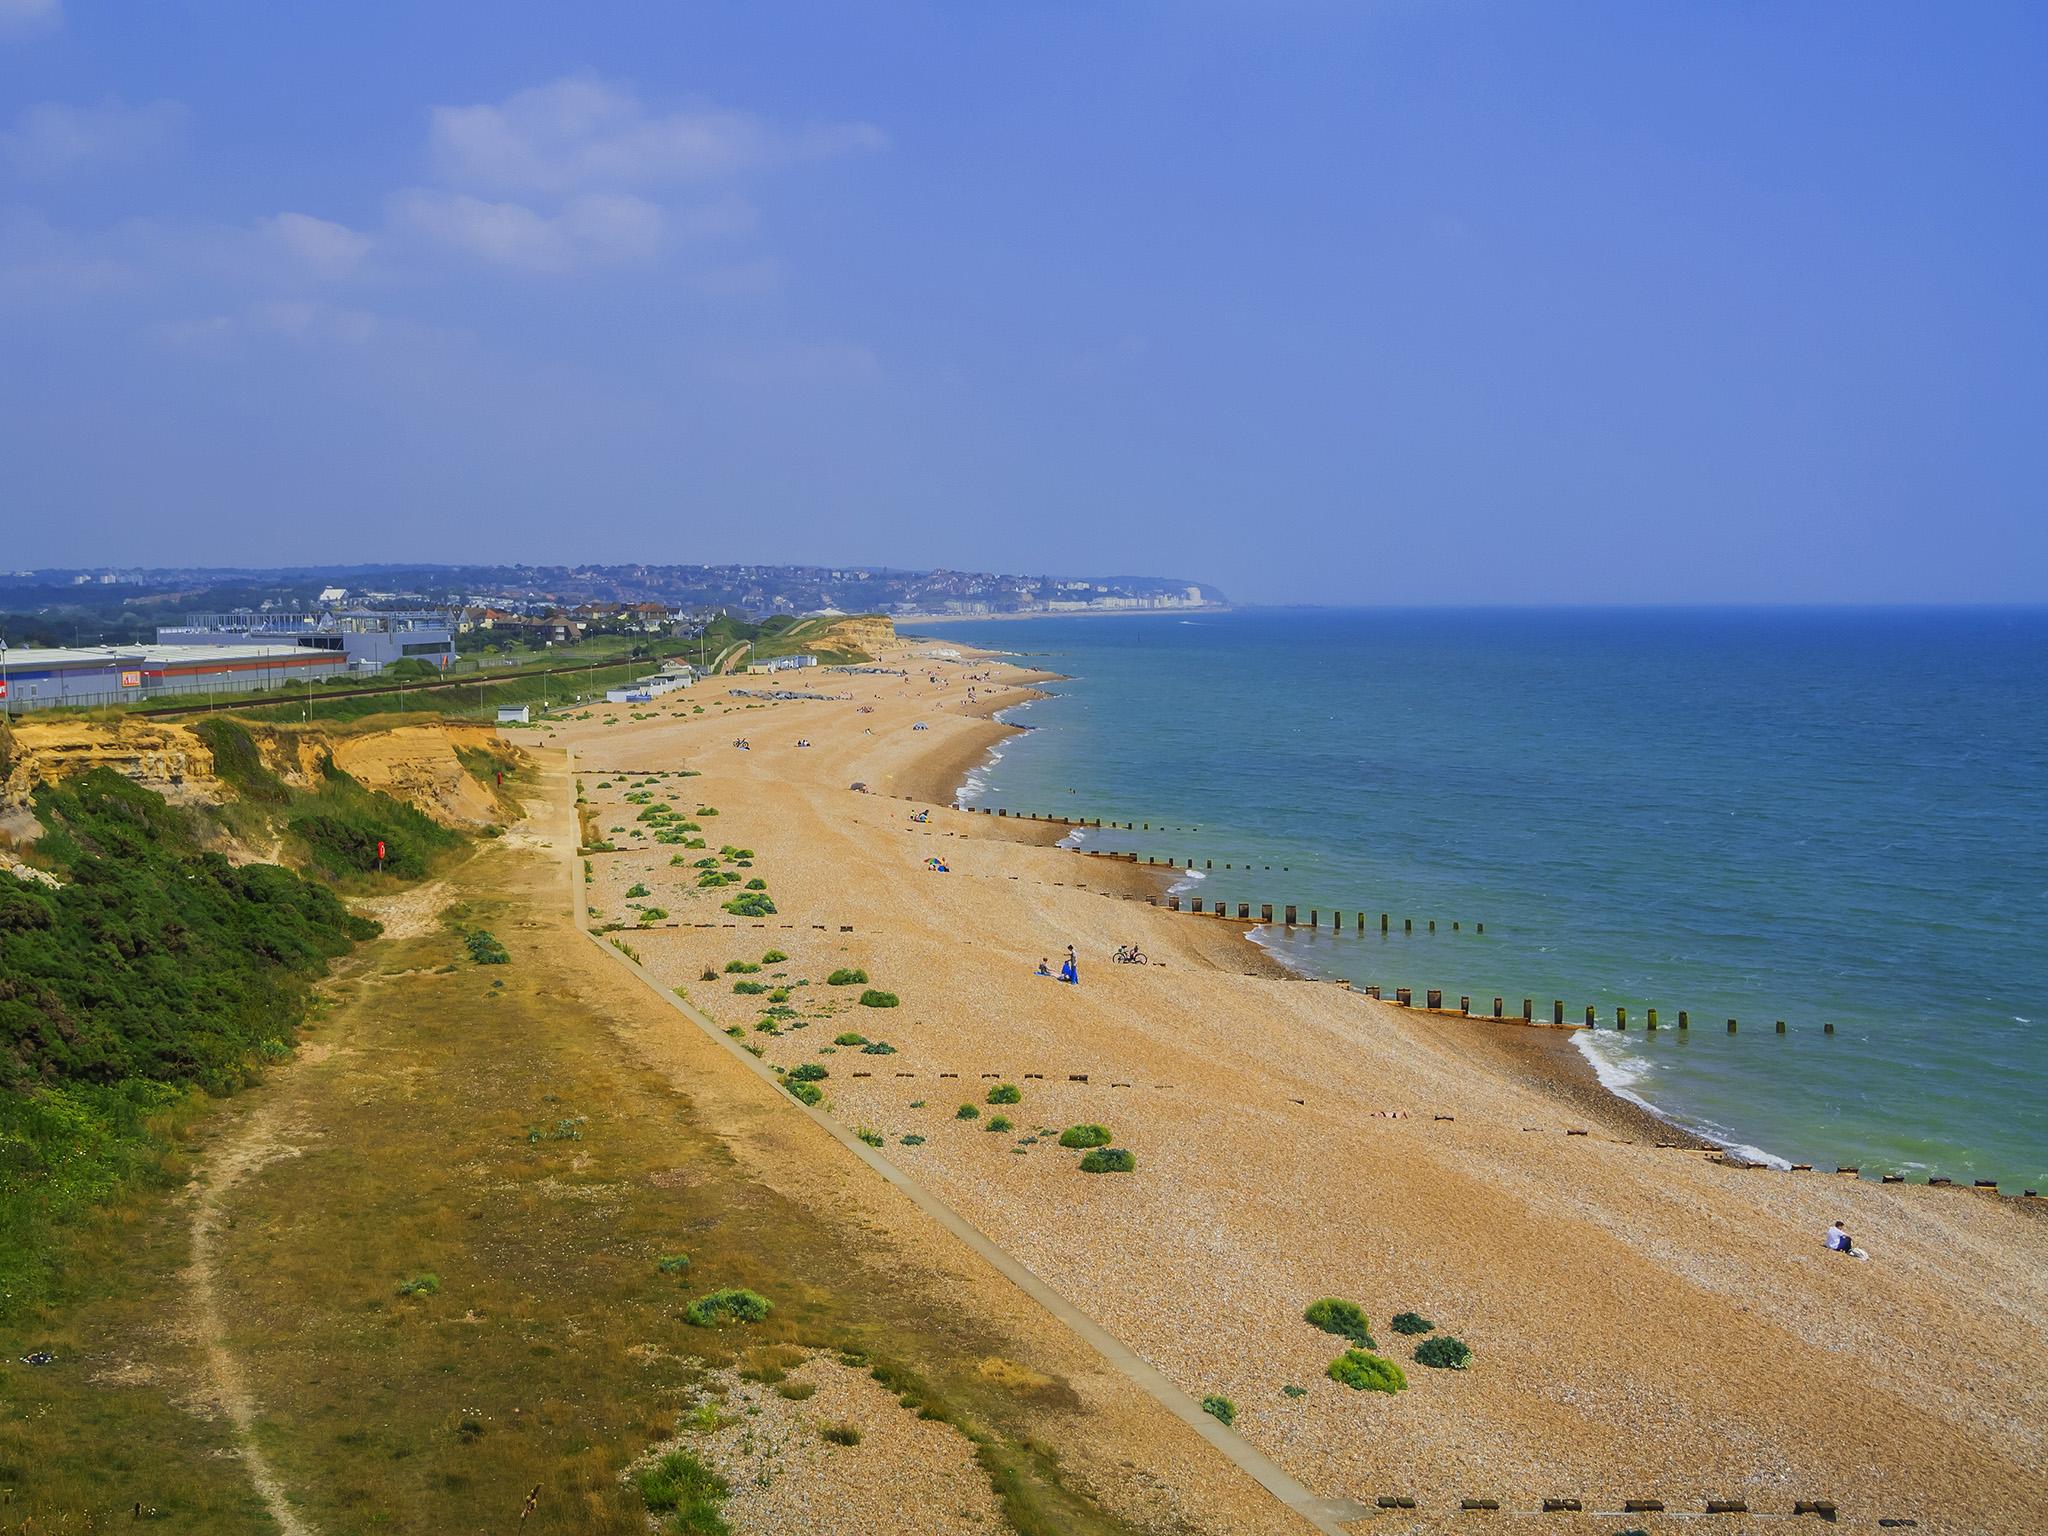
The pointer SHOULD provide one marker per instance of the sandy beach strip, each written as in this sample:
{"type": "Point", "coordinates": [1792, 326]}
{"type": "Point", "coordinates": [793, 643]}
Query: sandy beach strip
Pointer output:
{"type": "Point", "coordinates": [1645, 1321]}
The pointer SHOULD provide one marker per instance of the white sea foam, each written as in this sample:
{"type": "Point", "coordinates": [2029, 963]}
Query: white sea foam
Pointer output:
{"type": "Point", "coordinates": [1186, 882]}
{"type": "Point", "coordinates": [1620, 1069]}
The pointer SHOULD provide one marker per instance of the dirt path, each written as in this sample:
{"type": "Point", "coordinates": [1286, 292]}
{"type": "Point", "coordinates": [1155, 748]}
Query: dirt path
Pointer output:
{"type": "Point", "coordinates": [264, 1138]}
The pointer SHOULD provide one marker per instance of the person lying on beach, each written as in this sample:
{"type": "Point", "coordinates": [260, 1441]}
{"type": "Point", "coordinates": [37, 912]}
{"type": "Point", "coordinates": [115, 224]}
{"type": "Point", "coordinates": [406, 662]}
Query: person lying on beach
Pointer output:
{"type": "Point", "coordinates": [1839, 1241]}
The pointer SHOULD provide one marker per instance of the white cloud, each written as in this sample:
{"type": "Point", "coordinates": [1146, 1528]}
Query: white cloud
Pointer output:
{"type": "Point", "coordinates": [25, 18]}
{"type": "Point", "coordinates": [595, 229]}
{"type": "Point", "coordinates": [320, 247]}
{"type": "Point", "coordinates": [51, 139]}
{"type": "Point", "coordinates": [583, 132]}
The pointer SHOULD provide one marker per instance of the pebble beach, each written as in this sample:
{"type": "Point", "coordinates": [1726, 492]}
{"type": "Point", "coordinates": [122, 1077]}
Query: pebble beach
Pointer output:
{"type": "Point", "coordinates": [1646, 1322]}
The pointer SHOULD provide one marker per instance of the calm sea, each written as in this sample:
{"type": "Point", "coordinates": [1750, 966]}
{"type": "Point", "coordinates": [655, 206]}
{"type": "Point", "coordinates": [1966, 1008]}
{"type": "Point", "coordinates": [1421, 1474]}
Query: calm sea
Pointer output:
{"type": "Point", "coordinates": [1821, 817]}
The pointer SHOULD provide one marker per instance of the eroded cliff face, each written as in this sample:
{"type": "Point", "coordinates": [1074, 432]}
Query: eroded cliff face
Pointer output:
{"type": "Point", "coordinates": [869, 632]}
{"type": "Point", "coordinates": [416, 763]}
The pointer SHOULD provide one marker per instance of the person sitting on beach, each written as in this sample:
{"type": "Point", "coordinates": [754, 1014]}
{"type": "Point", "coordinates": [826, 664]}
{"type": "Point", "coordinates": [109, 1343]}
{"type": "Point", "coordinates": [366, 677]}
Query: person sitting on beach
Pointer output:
{"type": "Point", "coordinates": [1044, 969]}
{"type": "Point", "coordinates": [1839, 1241]}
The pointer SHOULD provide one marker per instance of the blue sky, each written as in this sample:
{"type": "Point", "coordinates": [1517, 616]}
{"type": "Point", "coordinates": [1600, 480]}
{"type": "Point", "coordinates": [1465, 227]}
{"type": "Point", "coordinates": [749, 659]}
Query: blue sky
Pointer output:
{"type": "Point", "coordinates": [1322, 302]}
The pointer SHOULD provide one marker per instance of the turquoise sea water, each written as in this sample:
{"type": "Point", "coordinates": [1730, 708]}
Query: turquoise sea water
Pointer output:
{"type": "Point", "coordinates": [1814, 816]}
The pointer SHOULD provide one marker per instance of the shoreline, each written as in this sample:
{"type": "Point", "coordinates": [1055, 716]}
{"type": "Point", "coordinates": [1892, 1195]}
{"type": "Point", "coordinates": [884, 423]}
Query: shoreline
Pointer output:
{"type": "Point", "coordinates": [1541, 1057]}
{"type": "Point", "coordinates": [899, 619]}
{"type": "Point", "coordinates": [1295, 1139]}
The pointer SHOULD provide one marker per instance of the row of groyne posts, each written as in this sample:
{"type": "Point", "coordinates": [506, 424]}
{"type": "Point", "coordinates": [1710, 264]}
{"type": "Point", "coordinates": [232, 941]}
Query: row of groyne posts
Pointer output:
{"type": "Point", "coordinates": [1433, 998]}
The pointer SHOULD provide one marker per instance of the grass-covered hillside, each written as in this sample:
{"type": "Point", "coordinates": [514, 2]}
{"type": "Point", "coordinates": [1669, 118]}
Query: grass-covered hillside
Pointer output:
{"type": "Point", "coordinates": [147, 971]}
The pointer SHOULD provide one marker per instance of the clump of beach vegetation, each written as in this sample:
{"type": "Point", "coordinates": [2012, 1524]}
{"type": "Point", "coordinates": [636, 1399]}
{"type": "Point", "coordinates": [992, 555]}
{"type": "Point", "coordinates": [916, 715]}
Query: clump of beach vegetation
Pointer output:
{"type": "Point", "coordinates": [850, 1038]}
{"type": "Point", "coordinates": [1109, 1160]}
{"type": "Point", "coordinates": [873, 998]}
{"type": "Point", "coordinates": [740, 1306]}
{"type": "Point", "coordinates": [1364, 1372]}
{"type": "Point", "coordinates": [681, 1486]}
{"type": "Point", "coordinates": [846, 977]}
{"type": "Point", "coordinates": [1085, 1136]}
{"type": "Point", "coordinates": [1005, 1093]}
{"type": "Point", "coordinates": [1412, 1322]}
{"type": "Point", "coordinates": [1443, 1353]}
{"type": "Point", "coordinates": [740, 967]}
{"type": "Point", "coordinates": [967, 1112]}
{"type": "Point", "coordinates": [1346, 1319]}
{"type": "Point", "coordinates": [1220, 1408]}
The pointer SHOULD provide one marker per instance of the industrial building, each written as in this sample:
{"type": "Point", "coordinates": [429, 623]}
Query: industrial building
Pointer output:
{"type": "Point", "coordinates": [369, 640]}
{"type": "Point", "coordinates": [88, 678]}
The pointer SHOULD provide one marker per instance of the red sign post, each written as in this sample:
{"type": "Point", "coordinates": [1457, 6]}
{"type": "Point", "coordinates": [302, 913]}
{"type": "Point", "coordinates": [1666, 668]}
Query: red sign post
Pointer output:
{"type": "Point", "coordinates": [380, 855]}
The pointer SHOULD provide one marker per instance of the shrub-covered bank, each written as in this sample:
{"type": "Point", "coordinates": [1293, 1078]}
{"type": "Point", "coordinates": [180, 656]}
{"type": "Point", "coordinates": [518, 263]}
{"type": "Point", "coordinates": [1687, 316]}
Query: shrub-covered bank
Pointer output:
{"type": "Point", "coordinates": [154, 970]}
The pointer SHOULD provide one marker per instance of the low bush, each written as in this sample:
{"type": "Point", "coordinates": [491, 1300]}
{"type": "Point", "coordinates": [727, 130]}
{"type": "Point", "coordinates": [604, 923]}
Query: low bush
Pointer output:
{"type": "Point", "coordinates": [716, 1306]}
{"type": "Point", "coordinates": [809, 1093]}
{"type": "Point", "coordinates": [672, 1263]}
{"type": "Point", "coordinates": [795, 1391]}
{"type": "Point", "coordinates": [1443, 1353]}
{"type": "Point", "coordinates": [875, 999]}
{"type": "Point", "coordinates": [999, 1123]}
{"type": "Point", "coordinates": [753, 904]}
{"type": "Point", "coordinates": [636, 889]}
{"type": "Point", "coordinates": [420, 1285]}
{"type": "Point", "coordinates": [912, 1140]}
{"type": "Point", "coordinates": [1220, 1408]}
{"type": "Point", "coordinates": [1412, 1322]}
{"type": "Point", "coordinates": [740, 968]}
{"type": "Point", "coordinates": [967, 1112]}
{"type": "Point", "coordinates": [1085, 1136]}
{"type": "Point", "coordinates": [873, 1138]}
{"type": "Point", "coordinates": [1346, 1319]}
{"type": "Point", "coordinates": [841, 1434]}
{"type": "Point", "coordinates": [774, 957]}
{"type": "Point", "coordinates": [1291, 1390]}
{"type": "Point", "coordinates": [756, 884]}
{"type": "Point", "coordinates": [809, 1072]}
{"type": "Point", "coordinates": [485, 949]}
{"type": "Point", "coordinates": [681, 1485]}
{"type": "Point", "coordinates": [878, 1048]}
{"type": "Point", "coordinates": [1005, 1093]}
{"type": "Point", "coordinates": [1109, 1160]}
{"type": "Point", "coordinates": [749, 988]}
{"type": "Point", "coordinates": [843, 977]}
{"type": "Point", "coordinates": [1367, 1373]}
{"type": "Point", "coordinates": [850, 1038]}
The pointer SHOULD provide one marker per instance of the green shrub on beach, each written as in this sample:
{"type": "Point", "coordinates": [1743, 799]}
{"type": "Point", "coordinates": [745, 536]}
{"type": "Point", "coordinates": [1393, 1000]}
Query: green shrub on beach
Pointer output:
{"type": "Point", "coordinates": [844, 977]}
{"type": "Point", "coordinates": [1412, 1322]}
{"type": "Point", "coordinates": [1367, 1373]}
{"type": "Point", "coordinates": [740, 968]}
{"type": "Point", "coordinates": [967, 1112]}
{"type": "Point", "coordinates": [774, 957]}
{"type": "Point", "coordinates": [808, 1093]}
{"type": "Point", "coordinates": [749, 988]}
{"type": "Point", "coordinates": [1109, 1160]}
{"type": "Point", "coordinates": [739, 1305]}
{"type": "Point", "coordinates": [1343, 1318]}
{"type": "Point", "coordinates": [876, 999]}
{"type": "Point", "coordinates": [1443, 1353]}
{"type": "Point", "coordinates": [999, 1123]}
{"type": "Point", "coordinates": [1005, 1093]}
{"type": "Point", "coordinates": [753, 904]}
{"type": "Point", "coordinates": [1085, 1136]}
{"type": "Point", "coordinates": [809, 1072]}
{"type": "Point", "coordinates": [681, 1485]}
{"type": "Point", "coordinates": [850, 1038]}
{"type": "Point", "coordinates": [1220, 1408]}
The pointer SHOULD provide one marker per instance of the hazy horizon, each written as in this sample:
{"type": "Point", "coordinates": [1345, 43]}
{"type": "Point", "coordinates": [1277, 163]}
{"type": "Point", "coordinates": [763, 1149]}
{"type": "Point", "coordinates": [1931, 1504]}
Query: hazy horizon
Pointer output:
{"type": "Point", "coordinates": [1397, 305]}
